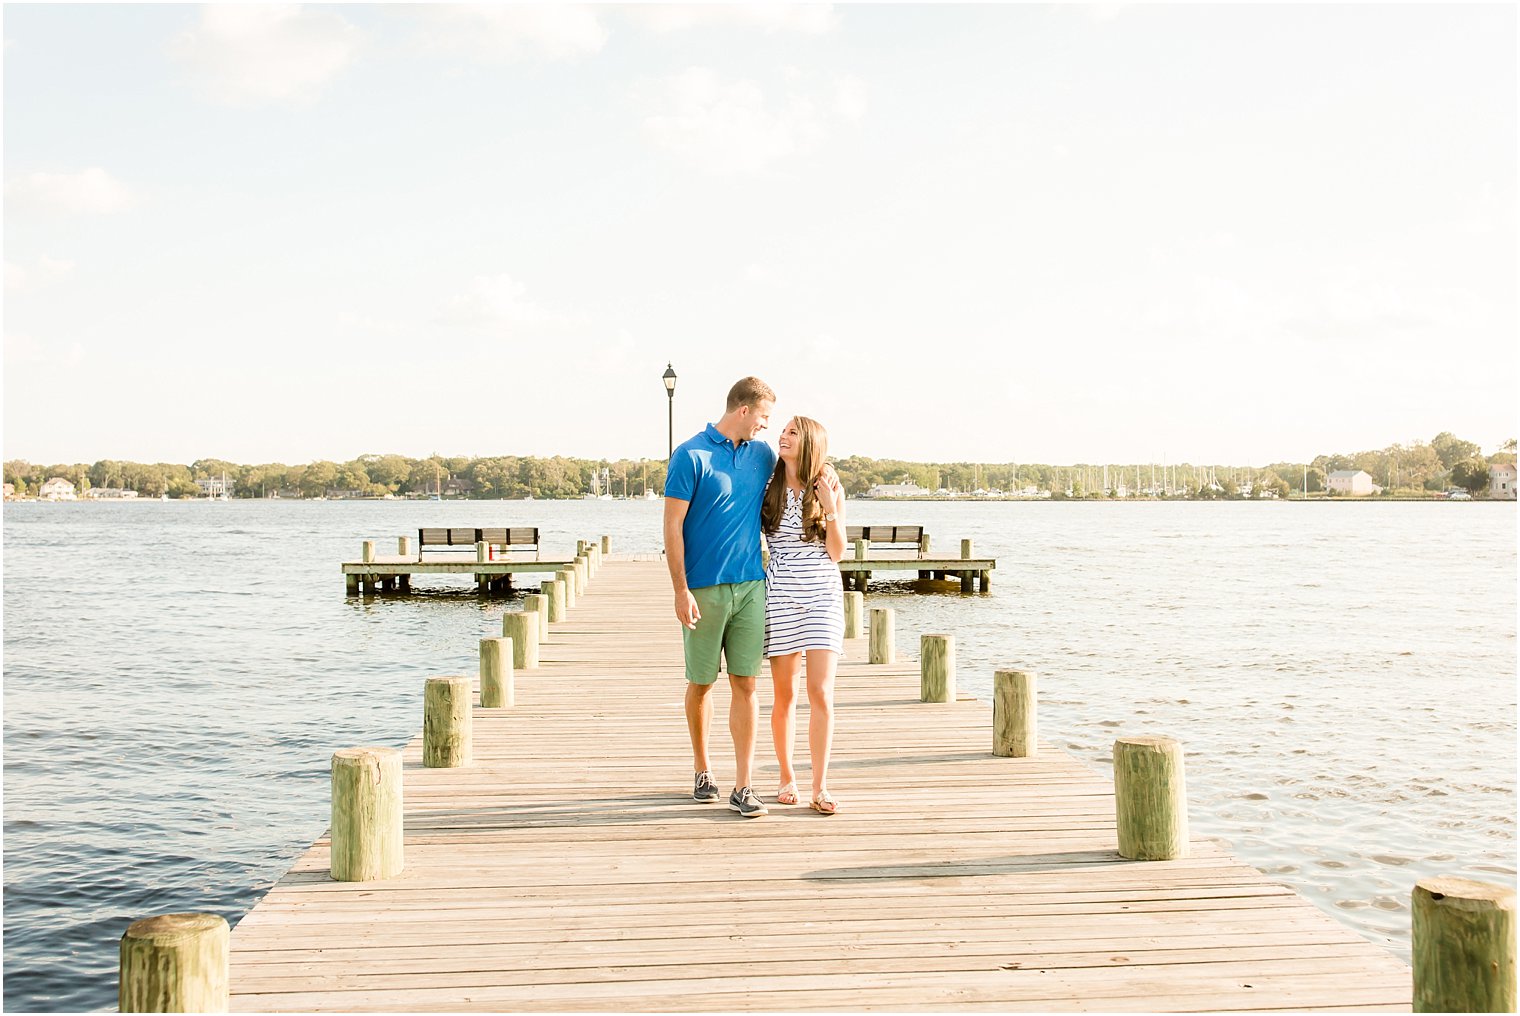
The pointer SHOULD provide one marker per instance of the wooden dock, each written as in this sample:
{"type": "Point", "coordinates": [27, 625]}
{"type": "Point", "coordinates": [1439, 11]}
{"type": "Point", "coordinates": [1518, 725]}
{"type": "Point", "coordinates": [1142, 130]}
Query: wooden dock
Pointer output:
{"type": "Point", "coordinates": [568, 869]}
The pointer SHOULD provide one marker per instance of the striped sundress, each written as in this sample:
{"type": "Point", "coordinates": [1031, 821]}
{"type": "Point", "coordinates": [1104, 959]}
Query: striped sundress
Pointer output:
{"type": "Point", "coordinates": [804, 598]}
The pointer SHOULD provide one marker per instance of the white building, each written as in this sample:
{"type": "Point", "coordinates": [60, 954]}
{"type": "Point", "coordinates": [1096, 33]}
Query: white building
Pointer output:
{"type": "Point", "coordinates": [897, 490]}
{"type": "Point", "coordinates": [110, 493]}
{"type": "Point", "coordinates": [1501, 481]}
{"type": "Point", "coordinates": [58, 489]}
{"type": "Point", "coordinates": [1356, 482]}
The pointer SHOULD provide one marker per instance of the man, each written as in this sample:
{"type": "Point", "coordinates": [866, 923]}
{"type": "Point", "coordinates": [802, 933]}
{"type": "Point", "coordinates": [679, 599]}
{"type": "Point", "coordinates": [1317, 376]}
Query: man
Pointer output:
{"type": "Point", "coordinates": [712, 547]}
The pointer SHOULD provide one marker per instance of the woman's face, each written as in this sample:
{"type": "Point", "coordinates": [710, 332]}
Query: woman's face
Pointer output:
{"type": "Point", "coordinates": [789, 445]}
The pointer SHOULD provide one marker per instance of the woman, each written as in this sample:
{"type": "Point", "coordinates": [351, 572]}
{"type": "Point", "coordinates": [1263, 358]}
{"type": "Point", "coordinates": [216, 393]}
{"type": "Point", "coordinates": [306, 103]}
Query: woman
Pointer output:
{"type": "Point", "coordinates": [803, 519]}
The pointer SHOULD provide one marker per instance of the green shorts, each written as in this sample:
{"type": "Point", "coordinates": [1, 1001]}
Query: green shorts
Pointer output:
{"type": "Point", "coordinates": [732, 625]}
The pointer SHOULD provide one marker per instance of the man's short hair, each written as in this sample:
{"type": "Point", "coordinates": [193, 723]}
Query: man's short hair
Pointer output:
{"type": "Point", "coordinates": [748, 391]}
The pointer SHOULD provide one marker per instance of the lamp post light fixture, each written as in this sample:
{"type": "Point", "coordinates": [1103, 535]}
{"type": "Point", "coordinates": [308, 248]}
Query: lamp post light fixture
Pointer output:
{"type": "Point", "coordinates": [669, 377]}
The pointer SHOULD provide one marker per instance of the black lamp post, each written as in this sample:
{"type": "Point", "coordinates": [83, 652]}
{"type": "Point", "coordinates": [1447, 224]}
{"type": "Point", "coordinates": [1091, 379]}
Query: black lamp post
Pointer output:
{"type": "Point", "coordinates": [669, 377]}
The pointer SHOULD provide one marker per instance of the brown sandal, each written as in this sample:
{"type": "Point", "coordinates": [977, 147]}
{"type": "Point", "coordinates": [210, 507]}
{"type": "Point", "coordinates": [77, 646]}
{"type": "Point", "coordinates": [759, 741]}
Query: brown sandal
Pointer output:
{"type": "Point", "coordinates": [823, 804]}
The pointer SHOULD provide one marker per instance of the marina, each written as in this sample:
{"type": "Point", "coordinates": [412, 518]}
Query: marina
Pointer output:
{"type": "Point", "coordinates": [551, 865]}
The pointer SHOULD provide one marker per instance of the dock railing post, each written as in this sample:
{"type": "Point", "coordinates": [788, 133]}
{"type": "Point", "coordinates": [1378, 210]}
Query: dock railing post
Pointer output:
{"type": "Point", "coordinates": [538, 603]}
{"type": "Point", "coordinates": [497, 689]}
{"type": "Point", "coordinates": [554, 589]}
{"type": "Point", "coordinates": [1463, 946]}
{"type": "Point", "coordinates": [854, 614]}
{"type": "Point", "coordinates": [606, 544]}
{"type": "Point", "coordinates": [367, 552]}
{"type": "Point", "coordinates": [404, 546]}
{"type": "Point", "coordinates": [1150, 798]}
{"type": "Point", "coordinates": [366, 814]}
{"type": "Point", "coordinates": [174, 963]}
{"type": "Point", "coordinates": [936, 668]}
{"type": "Point", "coordinates": [521, 626]}
{"type": "Point", "coordinates": [965, 550]}
{"type": "Point", "coordinates": [1015, 728]}
{"type": "Point", "coordinates": [923, 545]}
{"type": "Point", "coordinates": [447, 741]}
{"type": "Point", "coordinates": [568, 574]}
{"type": "Point", "coordinates": [883, 648]}
{"type": "Point", "coordinates": [581, 576]}
{"type": "Point", "coordinates": [860, 549]}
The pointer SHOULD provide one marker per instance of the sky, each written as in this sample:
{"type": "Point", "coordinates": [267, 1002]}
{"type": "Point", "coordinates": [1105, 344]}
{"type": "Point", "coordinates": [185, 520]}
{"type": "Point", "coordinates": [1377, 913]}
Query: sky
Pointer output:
{"type": "Point", "coordinates": [1029, 233]}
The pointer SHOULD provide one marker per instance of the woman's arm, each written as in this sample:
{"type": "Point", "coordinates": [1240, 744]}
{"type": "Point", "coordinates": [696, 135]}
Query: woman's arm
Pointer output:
{"type": "Point", "coordinates": [831, 500]}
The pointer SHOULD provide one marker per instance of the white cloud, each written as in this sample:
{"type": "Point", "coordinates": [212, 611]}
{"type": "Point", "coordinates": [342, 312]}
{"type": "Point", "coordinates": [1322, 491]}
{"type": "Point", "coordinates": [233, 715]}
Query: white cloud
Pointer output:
{"type": "Point", "coordinates": [90, 191]}
{"type": "Point", "coordinates": [248, 54]}
{"type": "Point", "coordinates": [488, 32]}
{"type": "Point", "coordinates": [19, 277]}
{"type": "Point", "coordinates": [498, 301]}
{"type": "Point", "coordinates": [22, 349]}
{"type": "Point", "coordinates": [724, 126]}
{"type": "Point", "coordinates": [806, 19]}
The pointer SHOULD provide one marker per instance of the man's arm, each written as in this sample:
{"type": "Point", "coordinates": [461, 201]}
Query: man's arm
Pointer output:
{"type": "Point", "coordinates": [675, 559]}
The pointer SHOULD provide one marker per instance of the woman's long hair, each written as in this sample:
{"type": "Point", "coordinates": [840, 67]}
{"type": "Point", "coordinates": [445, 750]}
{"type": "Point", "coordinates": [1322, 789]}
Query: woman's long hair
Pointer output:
{"type": "Point", "coordinates": [812, 455]}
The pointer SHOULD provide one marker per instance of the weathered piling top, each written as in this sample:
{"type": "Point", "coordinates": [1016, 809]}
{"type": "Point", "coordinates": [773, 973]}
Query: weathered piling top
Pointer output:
{"type": "Point", "coordinates": [567, 868]}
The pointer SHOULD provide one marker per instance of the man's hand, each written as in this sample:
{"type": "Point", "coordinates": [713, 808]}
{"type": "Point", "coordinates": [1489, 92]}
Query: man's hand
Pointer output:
{"type": "Point", "coordinates": [686, 609]}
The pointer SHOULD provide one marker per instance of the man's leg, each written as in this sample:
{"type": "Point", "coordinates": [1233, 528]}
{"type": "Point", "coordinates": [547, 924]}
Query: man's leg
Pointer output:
{"type": "Point", "coordinates": [704, 650]}
{"type": "Point", "coordinates": [744, 649]}
{"type": "Point", "coordinates": [699, 712]}
{"type": "Point", "coordinates": [743, 718]}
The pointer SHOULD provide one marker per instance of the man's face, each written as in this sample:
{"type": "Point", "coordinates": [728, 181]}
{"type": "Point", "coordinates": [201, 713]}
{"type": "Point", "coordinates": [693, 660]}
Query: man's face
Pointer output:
{"type": "Point", "coordinates": [757, 418]}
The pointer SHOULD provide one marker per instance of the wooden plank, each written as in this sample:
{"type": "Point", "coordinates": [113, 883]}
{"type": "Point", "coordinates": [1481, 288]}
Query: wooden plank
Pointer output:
{"type": "Point", "coordinates": [567, 867]}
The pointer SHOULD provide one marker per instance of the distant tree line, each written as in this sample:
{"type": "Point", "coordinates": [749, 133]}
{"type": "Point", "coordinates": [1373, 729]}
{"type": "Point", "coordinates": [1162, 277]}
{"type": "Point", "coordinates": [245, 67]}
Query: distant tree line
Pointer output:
{"type": "Point", "coordinates": [1444, 461]}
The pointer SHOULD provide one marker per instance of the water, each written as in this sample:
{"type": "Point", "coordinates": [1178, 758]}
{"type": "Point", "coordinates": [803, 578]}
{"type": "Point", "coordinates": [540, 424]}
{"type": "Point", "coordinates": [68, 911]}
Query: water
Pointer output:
{"type": "Point", "coordinates": [177, 675]}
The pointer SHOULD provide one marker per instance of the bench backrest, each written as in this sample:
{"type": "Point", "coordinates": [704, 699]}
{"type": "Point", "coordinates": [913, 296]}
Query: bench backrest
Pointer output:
{"type": "Point", "coordinates": [460, 536]}
{"type": "Point", "coordinates": [885, 534]}
{"type": "Point", "coordinates": [520, 536]}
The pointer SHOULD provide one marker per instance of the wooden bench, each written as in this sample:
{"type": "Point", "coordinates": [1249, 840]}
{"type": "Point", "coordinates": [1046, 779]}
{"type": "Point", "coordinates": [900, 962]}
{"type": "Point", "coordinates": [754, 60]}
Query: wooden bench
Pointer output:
{"type": "Point", "coordinates": [516, 538]}
{"type": "Point", "coordinates": [890, 537]}
{"type": "Point", "coordinates": [465, 538]}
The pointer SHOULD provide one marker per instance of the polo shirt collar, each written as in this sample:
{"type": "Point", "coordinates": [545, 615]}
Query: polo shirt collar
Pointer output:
{"type": "Point", "coordinates": [716, 436]}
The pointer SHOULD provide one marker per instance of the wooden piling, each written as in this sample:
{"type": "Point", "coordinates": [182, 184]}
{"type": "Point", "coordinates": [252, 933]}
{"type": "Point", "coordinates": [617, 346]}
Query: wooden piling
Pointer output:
{"type": "Point", "coordinates": [936, 668]}
{"type": "Point", "coordinates": [482, 551]}
{"type": "Point", "coordinates": [446, 735]}
{"type": "Point", "coordinates": [568, 574]}
{"type": "Point", "coordinates": [365, 832]}
{"type": "Point", "coordinates": [1463, 948]}
{"type": "Point", "coordinates": [521, 626]}
{"type": "Point", "coordinates": [497, 690]}
{"type": "Point", "coordinates": [854, 614]}
{"type": "Point", "coordinates": [581, 576]}
{"type": "Point", "coordinates": [174, 963]}
{"type": "Point", "coordinates": [367, 553]}
{"type": "Point", "coordinates": [1150, 798]}
{"type": "Point", "coordinates": [968, 581]}
{"type": "Point", "coordinates": [404, 546]}
{"type": "Point", "coordinates": [965, 550]}
{"type": "Point", "coordinates": [923, 545]}
{"type": "Point", "coordinates": [1015, 730]}
{"type": "Point", "coordinates": [883, 649]}
{"type": "Point", "coordinates": [606, 544]}
{"type": "Point", "coordinates": [860, 549]}
{"type": "Point", "coordinates": [554, 589]}
{"type": "Point", "coordinates": [538, 603]}
{"type": "Point", "coordinates": [351, 585]}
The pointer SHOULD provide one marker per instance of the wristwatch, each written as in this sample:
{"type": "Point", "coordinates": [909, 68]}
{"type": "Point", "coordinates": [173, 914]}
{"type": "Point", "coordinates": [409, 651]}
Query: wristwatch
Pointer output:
{"type": "Point", "coordinates": [830, 516]}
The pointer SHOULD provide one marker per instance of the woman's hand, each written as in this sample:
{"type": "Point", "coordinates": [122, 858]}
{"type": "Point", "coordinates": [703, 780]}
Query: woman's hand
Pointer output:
{"type": "Point", "coordinates": [828, 491]}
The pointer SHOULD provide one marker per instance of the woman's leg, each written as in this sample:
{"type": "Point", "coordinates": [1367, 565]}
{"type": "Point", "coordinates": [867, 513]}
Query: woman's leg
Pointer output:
{"type": "Point", "coordinates": [820, 689]}
{"type": "Point", "coordinates": [784, 711]}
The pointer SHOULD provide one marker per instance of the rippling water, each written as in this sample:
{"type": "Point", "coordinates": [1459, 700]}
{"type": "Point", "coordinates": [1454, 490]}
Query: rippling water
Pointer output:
{"type": "Point", "coordinates": [177, 675]}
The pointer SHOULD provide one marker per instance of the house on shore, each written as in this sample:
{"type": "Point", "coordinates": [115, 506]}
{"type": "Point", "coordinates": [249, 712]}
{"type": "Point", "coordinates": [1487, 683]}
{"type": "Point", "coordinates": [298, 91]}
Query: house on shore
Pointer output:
{"type": "Point", "coordinates": [10, 491]}
{"type": "Point", "coordinates": [1355, 482]}
{"type": "Point", "coordinates": [110, 493]}
{"type": "Point", "coordinates": [1501, 481]}
{"type": "Point", "coordinates": [58, 489]}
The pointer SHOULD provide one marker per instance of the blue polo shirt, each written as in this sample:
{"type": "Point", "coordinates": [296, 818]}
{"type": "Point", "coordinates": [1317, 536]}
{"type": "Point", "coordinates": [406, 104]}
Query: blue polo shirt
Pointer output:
{"type": "Point", "coordinates": [724, 485]}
